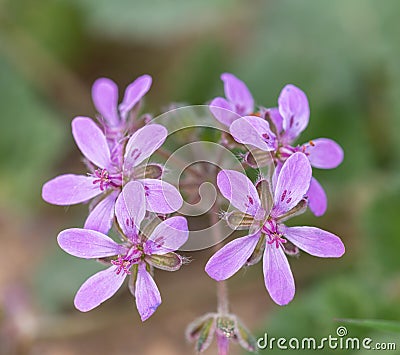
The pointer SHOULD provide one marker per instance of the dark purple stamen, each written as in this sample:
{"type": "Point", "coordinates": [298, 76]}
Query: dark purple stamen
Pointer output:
{"type": "Point", "coordinates": [105, 179]}
{"type": "Point", "coordinates": [277, 239]}
{"type": "Point", "coordinates": [123, 265]}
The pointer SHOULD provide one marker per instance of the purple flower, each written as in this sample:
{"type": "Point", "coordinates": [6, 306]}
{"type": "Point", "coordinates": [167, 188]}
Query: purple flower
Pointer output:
{"type": "Point", "coordinates": [110, 171]}
{"type": "Point", "coordinates": [114, 117]}
{"type": "Point", "coordinates": [239, 101]}
{"type": "Point", "coordinates": [288, 121]}
{"type": "Point", "coordinates": [134, 257]}
{"type": "Point", "coordinates": [268, 235]}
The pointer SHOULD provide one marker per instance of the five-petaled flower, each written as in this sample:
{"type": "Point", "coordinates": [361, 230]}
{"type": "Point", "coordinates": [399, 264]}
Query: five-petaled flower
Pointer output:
{"type": "Point", "coordinates": [135, 257]}
{"type": "Point", "coordinates": [109, 174]}
{"type": "Point", "coordinates": [287, 122]}
{"type": "Point", "coordinates": [264, 215]}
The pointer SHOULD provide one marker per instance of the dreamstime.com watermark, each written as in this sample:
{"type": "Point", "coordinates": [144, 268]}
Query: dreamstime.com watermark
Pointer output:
{"type": "Point", "coordinates": [340, 342]}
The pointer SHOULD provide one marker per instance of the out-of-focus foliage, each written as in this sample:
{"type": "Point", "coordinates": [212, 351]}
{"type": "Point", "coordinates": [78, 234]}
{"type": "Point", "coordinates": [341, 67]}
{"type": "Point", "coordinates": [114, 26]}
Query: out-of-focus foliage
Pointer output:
{"type": "Point", "coordinates": [30, 138]}
{"type": "Point", "coordinates": [343, 54]}
{"type": "Point", "coordinates": [153, 20]}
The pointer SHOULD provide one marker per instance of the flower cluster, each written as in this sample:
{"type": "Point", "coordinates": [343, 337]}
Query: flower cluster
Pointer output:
{"type": "Point", "coordinates": [262, 208]}
{"type": "Point", "coordinates": [274, 130]}
{"type": "Point", "coordinates": [129, 193]}
{"type": "Point", "coordinates": [122, 184]}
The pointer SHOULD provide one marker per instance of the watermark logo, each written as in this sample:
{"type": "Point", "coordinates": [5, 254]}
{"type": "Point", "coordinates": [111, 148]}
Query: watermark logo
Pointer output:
{"type": "Point", "coordinates": [339, 341]}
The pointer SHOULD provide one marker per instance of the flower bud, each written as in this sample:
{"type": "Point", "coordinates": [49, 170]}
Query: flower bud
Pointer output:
{"type": "Point", "coordinates": [238, 220]}
{"type": "Point", "coordinates": [265, 193]}
{"type": "Point", "coordinates": [168, 262]}
{"type": "Point", "coordinates": [258, 252]}
{"type": "Point", "coordinates": [297, 210]}
{"type": "Point", "coordinates": [245, 338]}
{"type": "Point", "coordinates": [149, 171]}
{"type": "Point", "coordinates": [202, 330]}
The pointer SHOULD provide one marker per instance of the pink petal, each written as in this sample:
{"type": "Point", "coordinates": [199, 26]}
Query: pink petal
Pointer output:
{"type": "Point", "coordinates": [237, 92]}
{"type": "Point", "coordinates": [229, 259]}
{"type": "Point", "coordinates": [255, 131]}
{"type": "Point", "coordinates": [134, 93]}
{"type": "Point", "coordinates": [317, 200]}
{"type": "Point", "coordinates": [143, 143]}
{"type": "Point", "coordinates": [105, 99]}
{"type": "Point", "coordinates": [223, 111]}
{"type": "Point", "coordinates": [292, 184]}
{"type": "Point", "coordinates": [324, 153]}
{"type": "Point", "coordinates": [240, 191]}
{"type": "Point", "coordinates": [85, 243]}
{"type": "Point", "coordinates": [277, 275]}
{"type": "Point", "coordinates": [101, 217]}
{"type": "Point", "coordinates": [98, 288]}
{"type": "Point", "coordinates": [315, 241]}
{"type": "Point", "coordinates": [161, 197]}
{"type": "Point", "coordinates": [130, 208]}
{"type": "Point", "coordinates": [69, 189]}
{"type": "Point", "coordinates": [169, 235]}
{"type": "Point", "coordinates": [148, 296]}
{"type": "Point", "coordinates": [91, 141]}
{"type": "Point", "coordinates": [293, 107]}
{"type": "Point", "coordinates": [276, 118]}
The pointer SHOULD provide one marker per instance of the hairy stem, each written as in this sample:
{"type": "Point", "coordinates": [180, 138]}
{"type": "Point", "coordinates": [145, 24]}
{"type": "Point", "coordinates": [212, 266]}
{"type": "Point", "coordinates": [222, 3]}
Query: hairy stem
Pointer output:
{"type": "Point", "coordinates": [222, 287]}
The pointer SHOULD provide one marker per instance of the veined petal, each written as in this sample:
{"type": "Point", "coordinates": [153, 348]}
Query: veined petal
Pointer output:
{"type": "Point", "coordinates": [240, 191]}
{"type": "Point", "coordinates": [143, 143]}
{"type": "Point", "coordinates": [88, 244]}
{"type": "Point", "coordinates": [317, 200]}
{"type": "Point", "coordinates": [237, 92]}
{"type": "Point", "coordinates": [69, 189]}
{"type": "Point", "coordinates": [134, 93]}
{"type": "Point", "coordinates": [229, 259]}
{"type": "Point", "coordinates": [101, 217]}
{"type": "Point", "coordinates": [168, 236]}
{"type": "Point", "coordinates": [91, 141]}
{"type": "Point", "coordinates": [292, 184]}
{"type": "Point", "coordinates": [294, 108]}
{"type": "Point", "coordinates": [147, 295]}
{"type": "Point", "coordinates": [315, 241]}
{"type": "Point", "coordinates": [276, 118]}
{"type": "Point", "coordinates": [255, 131]}
{"type": "Point", "coordinates": [105, 99]}
{"type": "Point", "coordinates": [130, 208]}
{"type": "Point", "coordinates": [161, 197]}
{"type": "Point", "coordinates": [277, 275]}
{"type": "Point", "coordinates": [98, 288]}
{"type": "Point", "coordinates": [223, 111]}
{"type": "Point", "coordinates": [324, 153]}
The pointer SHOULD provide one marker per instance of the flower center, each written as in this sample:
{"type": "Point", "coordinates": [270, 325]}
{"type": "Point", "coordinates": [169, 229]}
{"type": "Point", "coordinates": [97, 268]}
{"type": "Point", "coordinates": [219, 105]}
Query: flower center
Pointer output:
{"type": "Point", "coordinates": [285, 151]}
{"type": "Point", "coordinates": [270, 228]}
{"type": "Point", "coordinates": [105, 179]}
{"type": "Point", "coordinates": [277, 239]}
{"type": "Point", "coordinates": [124, 263]}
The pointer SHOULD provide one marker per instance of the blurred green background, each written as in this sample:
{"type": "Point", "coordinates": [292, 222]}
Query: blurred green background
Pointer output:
{"type": "Point", "coordinates": [343, 54]}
